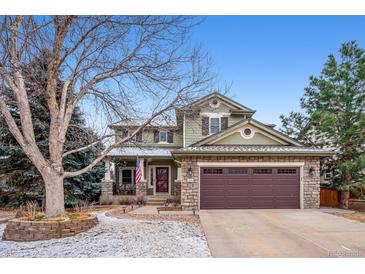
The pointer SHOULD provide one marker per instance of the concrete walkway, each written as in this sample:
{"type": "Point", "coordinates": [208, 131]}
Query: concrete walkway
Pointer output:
{"type": "Point", "coordinates": [282, 234]}
{"type": "Point", "coordinates": [144, 210]}
{"type": "Point", "coordinates": [152, 210]}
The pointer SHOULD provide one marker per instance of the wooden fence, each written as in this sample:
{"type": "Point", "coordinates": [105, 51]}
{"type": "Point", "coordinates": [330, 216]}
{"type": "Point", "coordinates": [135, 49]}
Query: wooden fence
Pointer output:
{"type": "Point", "coordinates": [329, 197]}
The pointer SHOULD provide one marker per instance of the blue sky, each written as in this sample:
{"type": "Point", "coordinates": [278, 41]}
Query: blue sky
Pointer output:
{"type": "Point", "coordinates": [269, 59]}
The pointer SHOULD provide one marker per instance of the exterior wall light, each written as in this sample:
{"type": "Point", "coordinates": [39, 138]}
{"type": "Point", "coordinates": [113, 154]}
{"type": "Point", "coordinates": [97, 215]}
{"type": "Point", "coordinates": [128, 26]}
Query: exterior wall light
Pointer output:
{"type": "Point", "coordinates": [311, 171]}
{"type": "Point", "coordinates": [190, 172]}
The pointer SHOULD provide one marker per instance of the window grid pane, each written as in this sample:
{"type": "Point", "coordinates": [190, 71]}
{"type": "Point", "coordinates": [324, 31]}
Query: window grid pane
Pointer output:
{"type": "Point", "coordinates": [214, 125]}
{"type": "Point", "coordinates": [127, 176]}
{"type": "Point", "coordinates": [237, 171]}
{"type": "Point", "coordinates": [212, 171]}
{"type": "Point", "coordinates": [163, 136]}
{"type": "Point", "coordinates": [287, 171]}
{"type": "Point", "coordinates": [262, 171]}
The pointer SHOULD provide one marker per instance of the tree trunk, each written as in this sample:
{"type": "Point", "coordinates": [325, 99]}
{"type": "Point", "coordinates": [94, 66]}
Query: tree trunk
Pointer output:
{"type": "Point", "coordinates": [55, 201]}
{"type": "Point", "coordinates": [345, 195]}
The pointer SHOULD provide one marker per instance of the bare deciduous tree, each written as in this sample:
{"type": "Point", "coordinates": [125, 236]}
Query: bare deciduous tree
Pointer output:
{"type": "Point", "coordinates": [129, 66]}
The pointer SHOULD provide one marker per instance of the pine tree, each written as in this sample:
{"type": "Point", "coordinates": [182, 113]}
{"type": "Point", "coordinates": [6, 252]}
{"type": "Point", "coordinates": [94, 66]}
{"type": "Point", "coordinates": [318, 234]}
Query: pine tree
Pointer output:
{"type": "Point", "coordinates": [334, 115]}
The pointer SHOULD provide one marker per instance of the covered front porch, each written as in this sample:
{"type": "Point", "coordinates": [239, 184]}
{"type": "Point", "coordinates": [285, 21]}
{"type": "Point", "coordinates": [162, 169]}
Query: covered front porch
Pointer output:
{"type": "Point", "coordinates": [160, 176]}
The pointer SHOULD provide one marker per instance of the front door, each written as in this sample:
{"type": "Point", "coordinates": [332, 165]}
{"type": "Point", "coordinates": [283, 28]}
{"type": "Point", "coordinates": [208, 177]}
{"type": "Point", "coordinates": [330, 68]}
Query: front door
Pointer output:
{"type": "Point", "coordinates": [162, 180]}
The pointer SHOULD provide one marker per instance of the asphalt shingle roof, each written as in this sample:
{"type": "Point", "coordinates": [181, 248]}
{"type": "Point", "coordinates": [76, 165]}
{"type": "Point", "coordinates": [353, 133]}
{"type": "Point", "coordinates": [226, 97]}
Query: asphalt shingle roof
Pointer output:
{"type": "Point", "coordinates": [253, 149]}
{"type": "Point", "coordinates": [140, 151]}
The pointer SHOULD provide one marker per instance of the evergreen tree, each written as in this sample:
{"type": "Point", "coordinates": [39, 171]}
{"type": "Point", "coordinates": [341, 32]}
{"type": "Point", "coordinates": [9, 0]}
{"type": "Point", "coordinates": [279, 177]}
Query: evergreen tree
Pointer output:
{"type": "Point", "coordinates": [20, 181]}
{"type": "Point", "coordinates": [334, 115]}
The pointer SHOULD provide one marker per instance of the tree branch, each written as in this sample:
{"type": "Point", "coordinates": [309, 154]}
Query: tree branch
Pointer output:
{"type": "Point", "coordinates": [122, 141]}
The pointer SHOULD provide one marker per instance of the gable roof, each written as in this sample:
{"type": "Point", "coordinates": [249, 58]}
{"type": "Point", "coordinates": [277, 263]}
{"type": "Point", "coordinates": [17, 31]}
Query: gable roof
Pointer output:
{"type": "Point", "coordinates": [254, 122]}
{"type": "Point", "coordinates": [225, 99]}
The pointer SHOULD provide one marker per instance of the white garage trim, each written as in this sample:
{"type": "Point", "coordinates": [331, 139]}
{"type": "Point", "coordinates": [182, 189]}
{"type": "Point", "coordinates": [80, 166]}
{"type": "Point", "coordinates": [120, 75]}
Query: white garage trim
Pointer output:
{"type": "Point", "coordinates": [256, 164]}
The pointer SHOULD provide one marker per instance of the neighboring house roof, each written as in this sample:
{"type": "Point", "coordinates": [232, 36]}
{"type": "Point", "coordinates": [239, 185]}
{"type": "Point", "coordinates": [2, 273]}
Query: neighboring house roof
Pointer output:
{"type": "Point", "coordinates": [140, 151]}
{"type": "Point", "coordinates": [223, 98]}
{"type": "Point", "coordinates": [231, 129]}
{"type": "Point", "coordinates": [253, 149]}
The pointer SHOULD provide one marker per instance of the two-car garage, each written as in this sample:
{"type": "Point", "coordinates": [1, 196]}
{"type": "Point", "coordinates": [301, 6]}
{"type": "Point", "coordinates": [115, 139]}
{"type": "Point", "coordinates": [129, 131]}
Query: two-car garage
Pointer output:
{"type": "Point", "coordinates": [249, 187]}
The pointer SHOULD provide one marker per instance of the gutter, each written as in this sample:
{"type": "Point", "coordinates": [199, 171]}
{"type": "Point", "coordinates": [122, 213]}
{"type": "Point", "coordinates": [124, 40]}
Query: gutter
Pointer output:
{"type": "Point", "coordinates": [214, 153]}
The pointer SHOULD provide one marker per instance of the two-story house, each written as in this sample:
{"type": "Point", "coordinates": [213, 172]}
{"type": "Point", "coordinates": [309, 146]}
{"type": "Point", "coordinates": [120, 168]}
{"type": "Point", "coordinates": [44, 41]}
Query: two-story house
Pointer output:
{"type": "Point", "coordinates": [215, 156]}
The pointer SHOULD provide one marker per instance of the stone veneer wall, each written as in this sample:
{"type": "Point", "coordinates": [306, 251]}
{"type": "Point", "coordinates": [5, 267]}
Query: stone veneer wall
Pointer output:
{"type": "Point", "coordinates": [106, 192]}
{"type": "Point", "coordinates": [177, 190]}
{"type": "Point", "coordinates": [141, 189]}
{"type": "Point", "coordinates": [190, 187]}
{"type": "Point", "coordinates": [21, 230]}
{"type": "Point", "coordinates": [107, 197]}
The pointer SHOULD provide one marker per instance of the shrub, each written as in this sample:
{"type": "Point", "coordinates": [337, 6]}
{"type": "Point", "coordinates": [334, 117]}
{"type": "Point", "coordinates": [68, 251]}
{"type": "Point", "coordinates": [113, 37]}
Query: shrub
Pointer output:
{"type": "Point", "coordinates": [39, 217]}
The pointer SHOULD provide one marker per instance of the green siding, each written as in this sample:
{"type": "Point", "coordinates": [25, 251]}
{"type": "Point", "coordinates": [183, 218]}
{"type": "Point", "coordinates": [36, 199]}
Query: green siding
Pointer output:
{"type": "Point", "coordinates": [193, 130]}
{"type": "Point", "coordinates": [147, 139]}
{"type": "Point", "coordinates": [233, 119]}
{"type": "Point", "coordinates": [221, 109]}
{"type": "Point", "coordinates": [237, 139]}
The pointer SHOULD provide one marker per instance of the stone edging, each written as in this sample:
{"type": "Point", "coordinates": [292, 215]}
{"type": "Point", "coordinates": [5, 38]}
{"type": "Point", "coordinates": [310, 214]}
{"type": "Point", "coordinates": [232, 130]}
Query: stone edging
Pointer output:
{"type": "Point", "coordinates": [22, 230]}
{"type": "Point", "coordinates": [169, 208]}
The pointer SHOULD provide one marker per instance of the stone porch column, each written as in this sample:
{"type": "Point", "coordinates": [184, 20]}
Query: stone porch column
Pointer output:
{"type": "Point", "coordinates": [106, 184]}
{"type": "Point", "coordinates": [189, 184]}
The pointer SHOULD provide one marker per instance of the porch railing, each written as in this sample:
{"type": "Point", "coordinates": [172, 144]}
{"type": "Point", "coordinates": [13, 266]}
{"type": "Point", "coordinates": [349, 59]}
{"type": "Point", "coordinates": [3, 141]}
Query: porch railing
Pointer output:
{"type": "Point", "coordinates": [124, 189]}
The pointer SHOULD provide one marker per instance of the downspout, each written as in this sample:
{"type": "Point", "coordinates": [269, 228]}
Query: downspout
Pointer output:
{"type": "Point", "coordinates": [184, 130]}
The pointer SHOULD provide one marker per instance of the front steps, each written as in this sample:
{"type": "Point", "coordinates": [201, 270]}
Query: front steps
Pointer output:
{"type": "Point", "coordinates": [156, 200]}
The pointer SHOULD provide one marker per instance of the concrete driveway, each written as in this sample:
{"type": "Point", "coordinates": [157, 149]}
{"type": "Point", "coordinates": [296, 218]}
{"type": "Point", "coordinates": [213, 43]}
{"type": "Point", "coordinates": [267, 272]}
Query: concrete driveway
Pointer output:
{"type": "Point", "coordinates": [282, 233]}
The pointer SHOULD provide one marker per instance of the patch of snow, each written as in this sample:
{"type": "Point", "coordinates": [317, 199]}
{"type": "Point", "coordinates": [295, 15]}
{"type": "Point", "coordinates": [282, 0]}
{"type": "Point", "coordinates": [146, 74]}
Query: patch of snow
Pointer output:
{"type": "Point", "coordinates": [114, 237]}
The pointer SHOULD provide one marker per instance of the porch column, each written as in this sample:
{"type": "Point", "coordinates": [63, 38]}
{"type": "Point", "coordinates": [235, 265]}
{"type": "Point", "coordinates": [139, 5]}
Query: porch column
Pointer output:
{"type": "Point", "coordinates": [178, 179]}
{"type": "Point", "coordinates": [106, 184]}
{"type": "Point", "coordinates": [107, 176]}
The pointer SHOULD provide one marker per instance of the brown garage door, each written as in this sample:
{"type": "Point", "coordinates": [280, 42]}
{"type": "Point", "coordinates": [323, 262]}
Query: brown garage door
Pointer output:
{"type": "Point", "coordinates": [254, 187]}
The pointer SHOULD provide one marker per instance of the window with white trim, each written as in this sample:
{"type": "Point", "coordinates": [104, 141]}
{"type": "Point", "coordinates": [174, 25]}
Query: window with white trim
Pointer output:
{"type": "Point", "coordinates": [247, 132]}
{"type": "Point", "coordinates": [127, 175]}
{"type": "Point", "coordinates": [214, 125]}
{"type": "Point", "coordinates": [328, 175]}
{"type": "Point", "coordinates": [163, 136]}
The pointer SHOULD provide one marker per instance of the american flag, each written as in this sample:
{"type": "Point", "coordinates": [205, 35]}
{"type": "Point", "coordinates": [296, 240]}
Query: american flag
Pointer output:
{"type": "Point", "coordinates": [138, 171]}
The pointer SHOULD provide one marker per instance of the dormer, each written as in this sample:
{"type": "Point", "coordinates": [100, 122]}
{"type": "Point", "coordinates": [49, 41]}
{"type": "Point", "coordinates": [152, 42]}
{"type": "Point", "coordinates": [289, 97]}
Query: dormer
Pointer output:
{"type": "Point", "coordinates": [210, 115]}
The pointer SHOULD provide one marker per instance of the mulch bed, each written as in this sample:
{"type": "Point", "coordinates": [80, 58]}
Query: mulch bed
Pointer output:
{"type": "Point", "coordinates": [6, 215]}
{"type": "Point", "coordinates": [356, 216]}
